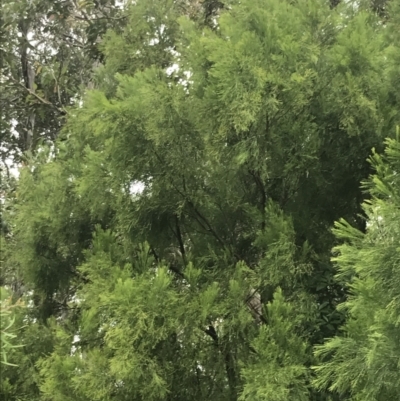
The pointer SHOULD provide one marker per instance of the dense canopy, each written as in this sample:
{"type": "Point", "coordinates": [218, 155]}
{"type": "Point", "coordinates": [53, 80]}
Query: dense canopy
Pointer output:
{"type": "Point", "coordinates": [207, 205]}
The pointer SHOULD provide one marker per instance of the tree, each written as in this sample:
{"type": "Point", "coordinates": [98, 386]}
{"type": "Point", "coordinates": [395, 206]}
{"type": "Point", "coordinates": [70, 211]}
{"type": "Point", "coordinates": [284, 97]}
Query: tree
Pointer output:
{"type": "Point", "coordinates": [181, 226]}
{"type": "Point", "coordinates": [364, 360]}
{"type": "Point", "coordinates": [47, 52]}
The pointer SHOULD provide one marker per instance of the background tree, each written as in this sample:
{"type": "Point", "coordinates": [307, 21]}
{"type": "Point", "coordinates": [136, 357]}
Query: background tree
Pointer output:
{"type": "Point", "coordinates": [47, 51]}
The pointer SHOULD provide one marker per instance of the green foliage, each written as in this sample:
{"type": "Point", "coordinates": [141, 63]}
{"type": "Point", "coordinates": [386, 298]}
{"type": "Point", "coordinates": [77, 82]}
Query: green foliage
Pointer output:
{"type": "Point", "coordinates": [364, 362]}
{"type": "Point", "coordinates": [7, 320]}
{"type": "Point", "coordinates": [20, 380]}
{"type": "Point", "coordinates": [152, 334]}
{"type": "Point", "coordinates": [278, 372]}
{"type": "Point", "coordinates": [175, 241]}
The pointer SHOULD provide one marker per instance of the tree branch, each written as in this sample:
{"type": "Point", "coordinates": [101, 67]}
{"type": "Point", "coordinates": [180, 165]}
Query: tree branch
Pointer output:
{"type": "Point", "coordinates": [191, 204]}
{"type": "Point", "coordinates": [261, 188]}
{"type": "Point", "coordinates": [180, 240]}
{"type": "Point", "coordinates": [42, 100]}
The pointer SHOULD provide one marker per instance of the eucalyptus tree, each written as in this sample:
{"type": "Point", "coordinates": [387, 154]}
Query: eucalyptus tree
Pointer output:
{"type": "Point", "coordinates": [47, 52]}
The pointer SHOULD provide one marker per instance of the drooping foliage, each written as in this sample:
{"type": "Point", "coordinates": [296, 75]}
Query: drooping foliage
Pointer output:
{"type": "Point", "coordinates": [175, 242]}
